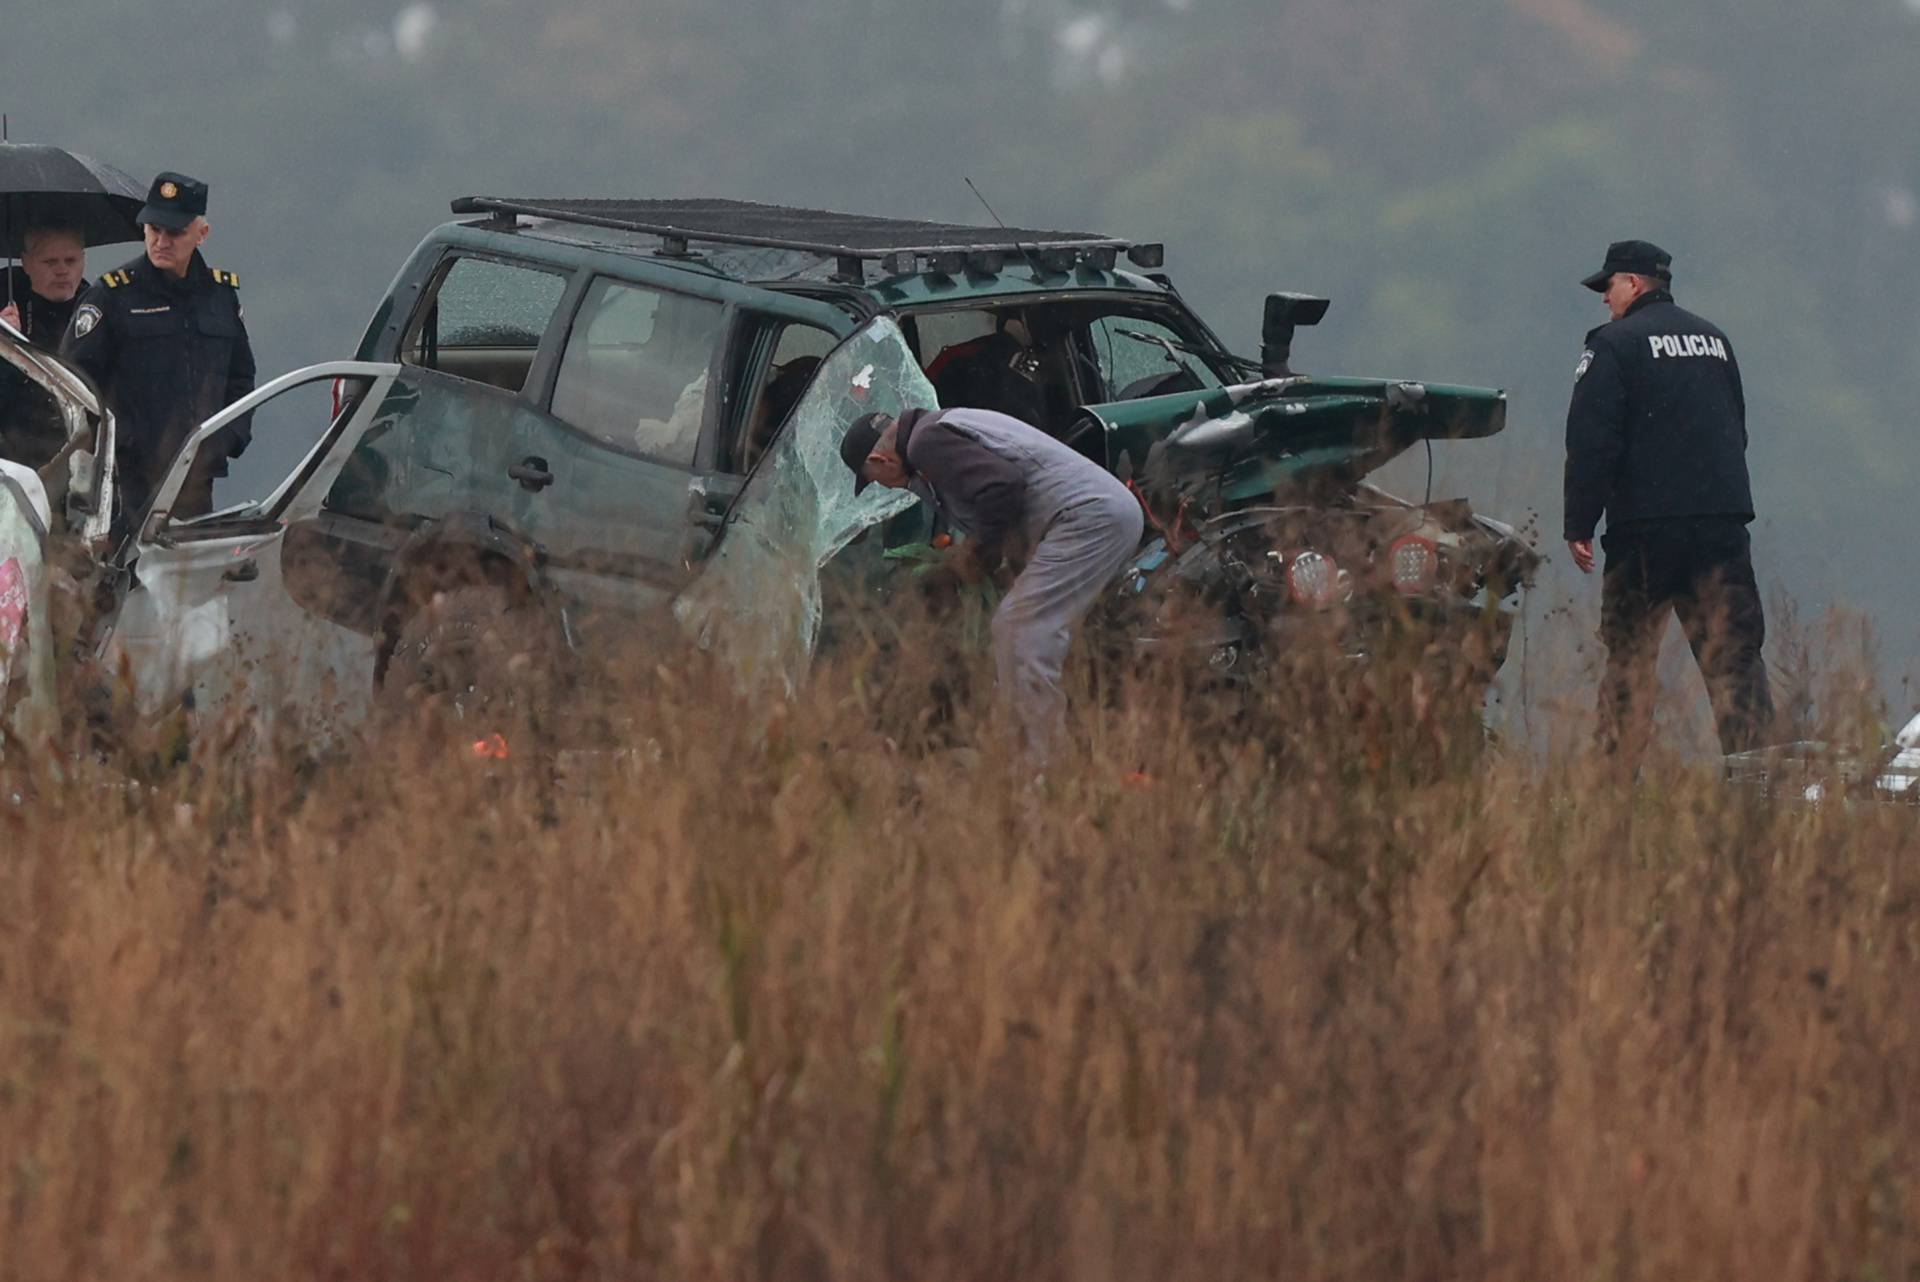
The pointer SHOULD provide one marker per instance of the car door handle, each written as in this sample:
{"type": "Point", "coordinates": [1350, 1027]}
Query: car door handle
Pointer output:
{"type": "Point", "coordinates": [709, 500]}
{"type": "Point", "coordinates": [532, 474]}
{"type": "Point", "coordinates": [245, 572]}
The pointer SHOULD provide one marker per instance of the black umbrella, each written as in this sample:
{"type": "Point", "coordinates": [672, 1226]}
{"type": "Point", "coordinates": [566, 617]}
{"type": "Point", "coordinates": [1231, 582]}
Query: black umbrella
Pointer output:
{"type": "Point", "coordinates": [51, 184]}
{"type": "Point", "coordinates": [40, 184]}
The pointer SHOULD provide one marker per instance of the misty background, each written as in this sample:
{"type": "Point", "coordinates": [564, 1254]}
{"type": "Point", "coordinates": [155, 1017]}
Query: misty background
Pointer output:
{"type": "Point", "coordinates": [1444, 170]}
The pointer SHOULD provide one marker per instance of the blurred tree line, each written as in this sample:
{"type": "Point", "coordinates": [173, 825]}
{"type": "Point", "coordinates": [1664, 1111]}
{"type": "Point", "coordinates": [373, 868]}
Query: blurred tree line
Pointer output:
{"type": "Point", "coordinates": [1446, 170]}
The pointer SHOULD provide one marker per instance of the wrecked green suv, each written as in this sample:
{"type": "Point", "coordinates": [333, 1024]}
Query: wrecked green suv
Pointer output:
{"type": "Point", "coordinates": [572, 420]}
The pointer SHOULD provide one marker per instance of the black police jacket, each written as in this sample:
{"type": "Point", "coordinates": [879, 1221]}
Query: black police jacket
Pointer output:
{"type": "Point", "coordinates": [31, 429]}
{"type": "Point", "coordinates": [1658, 423]}
{"type": "Point", "coordinates": [165, 354]}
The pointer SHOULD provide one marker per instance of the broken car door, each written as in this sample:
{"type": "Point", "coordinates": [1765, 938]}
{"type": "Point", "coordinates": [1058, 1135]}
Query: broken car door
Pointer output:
{"type": "Point", "coordinates": [758, 598]}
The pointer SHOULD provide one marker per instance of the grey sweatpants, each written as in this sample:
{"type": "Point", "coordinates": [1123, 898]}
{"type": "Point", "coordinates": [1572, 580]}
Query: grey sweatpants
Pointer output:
{"type": "Point", "coordinates": [1083, 549]}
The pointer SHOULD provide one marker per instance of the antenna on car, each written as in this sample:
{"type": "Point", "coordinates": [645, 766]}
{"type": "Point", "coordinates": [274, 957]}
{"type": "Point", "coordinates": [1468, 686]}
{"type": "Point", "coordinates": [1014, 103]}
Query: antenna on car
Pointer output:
{"type": "Point", "coordinates": [1033, 259]}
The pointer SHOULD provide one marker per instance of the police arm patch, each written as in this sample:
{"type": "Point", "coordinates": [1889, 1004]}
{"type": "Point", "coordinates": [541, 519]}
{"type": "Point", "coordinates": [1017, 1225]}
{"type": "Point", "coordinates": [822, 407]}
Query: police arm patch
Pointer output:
{"type": "Point", "coordinates": [1586, 362]}
{"type": "Point", "coordinates": [85, 319]}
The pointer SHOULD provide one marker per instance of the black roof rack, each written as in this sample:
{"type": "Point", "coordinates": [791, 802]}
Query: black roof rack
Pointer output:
{"type": "Point", "coordinates": [741, 222]}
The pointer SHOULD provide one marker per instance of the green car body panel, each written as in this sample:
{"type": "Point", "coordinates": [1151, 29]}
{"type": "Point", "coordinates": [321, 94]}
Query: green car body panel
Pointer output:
{"type": "Point", "coordinates": [617, 527]}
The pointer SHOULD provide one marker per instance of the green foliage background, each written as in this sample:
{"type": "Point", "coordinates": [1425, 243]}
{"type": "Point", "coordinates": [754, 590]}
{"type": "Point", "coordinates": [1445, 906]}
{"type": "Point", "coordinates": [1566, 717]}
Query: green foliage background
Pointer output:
{"type": "Point", "coordinates": [1446, 170]}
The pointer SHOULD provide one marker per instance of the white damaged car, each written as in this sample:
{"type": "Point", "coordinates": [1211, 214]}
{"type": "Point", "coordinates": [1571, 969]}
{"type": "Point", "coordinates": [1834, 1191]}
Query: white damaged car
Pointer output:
{"type": "Point", "coordinates": [170, 606]}
{"type": "Point", "coordinates": [1814, 772]}
{"type": "Point", "coordinates": [69, 494]}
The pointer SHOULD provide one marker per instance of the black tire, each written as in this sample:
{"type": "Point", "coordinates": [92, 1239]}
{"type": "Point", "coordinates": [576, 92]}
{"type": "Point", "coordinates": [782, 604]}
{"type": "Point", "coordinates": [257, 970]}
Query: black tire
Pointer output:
{"type": "Point", "coordinates": [474, 658]}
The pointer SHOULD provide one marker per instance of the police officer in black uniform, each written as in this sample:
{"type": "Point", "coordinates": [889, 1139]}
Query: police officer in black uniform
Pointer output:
{"type": "Point", "coordinates": [164, 340]}
{"type": "Point", "coordinates": [1657, 441]}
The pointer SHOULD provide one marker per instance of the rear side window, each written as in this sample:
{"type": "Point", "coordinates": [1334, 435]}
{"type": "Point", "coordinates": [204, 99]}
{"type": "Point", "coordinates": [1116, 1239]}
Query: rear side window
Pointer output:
{"type": "Point", "coordinates": [485, 322]}
{"type": "Point", "coordinates": [634, 374]}
{"type": "Point", "coordinates": [797, 352]}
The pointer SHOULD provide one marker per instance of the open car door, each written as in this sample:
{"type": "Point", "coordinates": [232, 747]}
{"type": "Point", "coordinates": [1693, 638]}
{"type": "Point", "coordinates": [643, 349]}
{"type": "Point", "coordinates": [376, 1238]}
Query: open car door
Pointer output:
{"type": "Point", "coordinates": [757, 601]}
{"type": "Point", "coordinates": [78, 478]}
{"type": "Point", "coordinates": [205, 614]}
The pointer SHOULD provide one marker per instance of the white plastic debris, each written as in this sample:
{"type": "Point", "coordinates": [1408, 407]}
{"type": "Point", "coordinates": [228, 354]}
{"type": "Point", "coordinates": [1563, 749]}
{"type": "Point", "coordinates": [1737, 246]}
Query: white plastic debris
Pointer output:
{"type": "Point", "coordinates": [1910, 737]}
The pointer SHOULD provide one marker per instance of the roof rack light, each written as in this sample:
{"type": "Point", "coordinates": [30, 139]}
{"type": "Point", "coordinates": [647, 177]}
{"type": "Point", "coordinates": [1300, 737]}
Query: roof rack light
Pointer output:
{"type": "Point", "coordinates": [851, 268]}
{"type": "Point", "coordinates": [988, 261]}
{"type": "Point", "coordinates": [899, 264]}
{"type": "Point", "coordinates": [1102, 258]}
{"type": "Point", "coordinates": [1056, 260]}
{"type": "Point", "coordinates": [947, 262]}
{"type": "Point", "coordinates": [1149, 256]}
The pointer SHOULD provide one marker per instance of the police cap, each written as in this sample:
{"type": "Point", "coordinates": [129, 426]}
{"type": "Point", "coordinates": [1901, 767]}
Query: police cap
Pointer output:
{"type": "Point", "coordinates": [1636, 257]}
{"type": "Point", "coordinates": [173, 202]}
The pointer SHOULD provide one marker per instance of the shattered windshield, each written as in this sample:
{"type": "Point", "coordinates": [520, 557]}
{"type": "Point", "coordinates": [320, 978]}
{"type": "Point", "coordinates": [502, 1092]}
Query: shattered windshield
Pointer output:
{"type": "Point", "coordinates": [1136, 355]}
{"type": "Point", "coordinates": [758, 599]}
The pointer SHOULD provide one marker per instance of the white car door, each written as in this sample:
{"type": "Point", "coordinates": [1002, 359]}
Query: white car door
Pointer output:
{"type": "Point", "coordinates": [207, 616]}
{"type": "Point", "coordinates": [79, 480]}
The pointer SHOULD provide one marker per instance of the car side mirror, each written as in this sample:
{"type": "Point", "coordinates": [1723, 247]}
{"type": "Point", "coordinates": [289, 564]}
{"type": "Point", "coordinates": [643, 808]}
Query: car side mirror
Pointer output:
{"type": "Point", "coordinates": [1284, 312]}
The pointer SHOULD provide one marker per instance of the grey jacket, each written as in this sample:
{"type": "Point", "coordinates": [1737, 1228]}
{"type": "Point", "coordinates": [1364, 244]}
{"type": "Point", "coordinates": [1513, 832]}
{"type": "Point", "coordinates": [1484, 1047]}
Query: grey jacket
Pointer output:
{"type": "Point", "coordinates": [1000, 480]}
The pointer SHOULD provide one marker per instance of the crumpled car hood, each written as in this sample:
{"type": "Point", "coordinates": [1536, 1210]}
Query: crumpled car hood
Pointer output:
{"type": "Point", "coordinates": [1293, 431]}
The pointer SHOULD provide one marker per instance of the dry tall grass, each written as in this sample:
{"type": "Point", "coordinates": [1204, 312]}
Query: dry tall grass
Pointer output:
{"type": "Point", "coordinates": [828, 996]}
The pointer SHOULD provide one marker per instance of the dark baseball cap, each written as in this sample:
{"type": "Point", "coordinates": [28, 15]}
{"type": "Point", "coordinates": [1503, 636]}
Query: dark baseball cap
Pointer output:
{"type": "Point", "coordinates": [1636, 257]}
{"type": "Point", "coordinates": [173, 202]}
{"type": "Point", "coordinates": [862, 435]}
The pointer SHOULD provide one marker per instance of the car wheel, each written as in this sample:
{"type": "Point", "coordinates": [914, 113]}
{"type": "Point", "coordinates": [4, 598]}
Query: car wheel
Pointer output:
{"type": "Point", "coordinates": [473, 656]}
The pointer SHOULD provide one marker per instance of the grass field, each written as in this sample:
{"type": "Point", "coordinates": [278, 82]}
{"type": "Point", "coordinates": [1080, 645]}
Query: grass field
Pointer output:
{"type": "Point", "coordinates": [811, 992]}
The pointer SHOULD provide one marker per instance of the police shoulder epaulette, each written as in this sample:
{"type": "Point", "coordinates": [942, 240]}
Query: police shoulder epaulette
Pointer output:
{"type": "Point", "coordinates": [227, 278]}
{"type": "Point", "coordinates": [115, 279]}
